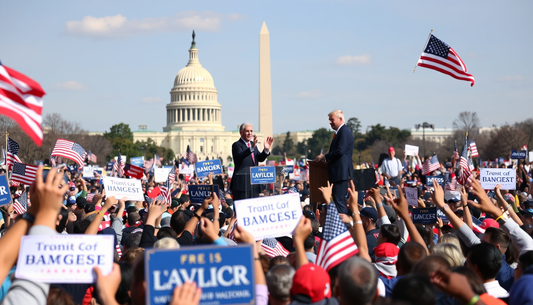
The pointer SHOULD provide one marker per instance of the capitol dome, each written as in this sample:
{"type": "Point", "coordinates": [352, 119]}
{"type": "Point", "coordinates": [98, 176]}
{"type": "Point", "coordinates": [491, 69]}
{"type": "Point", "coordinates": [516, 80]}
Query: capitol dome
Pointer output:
{"type": "Point", "coordinates": [193, 99]}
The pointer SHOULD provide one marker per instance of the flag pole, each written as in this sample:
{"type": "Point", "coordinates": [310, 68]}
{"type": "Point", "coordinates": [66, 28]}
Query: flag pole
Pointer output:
{"type": "Point", "coordinates": [425, 45]}
{"type": "Point", "coordinates": [5, 161]}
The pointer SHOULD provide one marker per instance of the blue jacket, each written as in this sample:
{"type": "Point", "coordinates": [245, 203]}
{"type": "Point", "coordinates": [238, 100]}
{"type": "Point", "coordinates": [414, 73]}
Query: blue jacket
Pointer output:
{"type": "Point", "coordinates": [339, 157]}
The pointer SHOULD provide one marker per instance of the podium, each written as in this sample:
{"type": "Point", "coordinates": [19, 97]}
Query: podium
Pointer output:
{"type": "Point", "coordinates": [318, 176]}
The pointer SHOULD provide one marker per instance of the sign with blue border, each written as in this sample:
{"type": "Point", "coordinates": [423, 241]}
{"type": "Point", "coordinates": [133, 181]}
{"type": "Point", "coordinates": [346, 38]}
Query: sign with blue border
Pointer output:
{"type": "Point", "coordinates": [225, 274]}
{"type": "Point", "coordinates": [439, 178]}
{"type": "Point", "coordinates": [262, 174]}
{"type": "Point", "coordinates": [205, 168]}
{"type": "Point", "coordinates": [518, 154]}
{"type": "Point", "coordinates": [5, 194]}
{"type": "Point", "coordinates": [198, 193]}
{"type": "Point", "coordinates": [137, 161]}
{"type": "Point", "coordinates": [425, 216]}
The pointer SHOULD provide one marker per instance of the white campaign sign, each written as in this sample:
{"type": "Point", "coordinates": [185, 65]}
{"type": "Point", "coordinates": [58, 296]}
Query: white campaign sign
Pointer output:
{"type": "Point", "coordinates": [271, 216]}
{"type": "Point", "coordinates": [531, 156]}
{"type": "Point", "coordinates": [129, 189]}
{"type": "Point", "coordinates": [411, 194]}
{"type": "Point", "coordinates": [186, 170]}
{"type": "Point", "coordinates": [88, 171]}
{"type": "Point", "coordinates": [411, 150]}
{"type": "Point", "coordinates": [161, 174]}
{"type": "Point", "coordinates": [490, 177]}
{"type": "Point", "coordinates": [64, 258]}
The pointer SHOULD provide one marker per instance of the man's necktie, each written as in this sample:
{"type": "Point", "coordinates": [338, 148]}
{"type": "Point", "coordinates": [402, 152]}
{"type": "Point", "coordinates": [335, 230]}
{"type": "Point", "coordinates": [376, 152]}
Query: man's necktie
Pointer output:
{"type": "Point", "coordinates": [334, 134]}
{"type": "Point", "coordinates": [253, 157]}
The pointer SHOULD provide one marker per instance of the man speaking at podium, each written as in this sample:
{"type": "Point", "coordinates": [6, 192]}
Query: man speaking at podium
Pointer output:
{"type": "Point", "coordinates": [245, 155]}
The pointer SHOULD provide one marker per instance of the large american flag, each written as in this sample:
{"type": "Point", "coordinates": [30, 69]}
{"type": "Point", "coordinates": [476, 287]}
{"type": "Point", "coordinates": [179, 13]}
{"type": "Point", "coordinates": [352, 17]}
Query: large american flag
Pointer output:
{"type": "Point", "coordinates": [439, 56]}
{"type": "Point", "coordinates": [473, 149]}
{"type": "Point", "coordinates": [190, 156]}
{"type": "Point", "coordinates": [430, 165]}
{"type": "Point", "coordinates": [465, 165]}
{"type": "Point", "coordinates": [11, 154]}
{"type": "Point", "coordinates": [133, 171]}
{"type": "Point", "coordinates": [20, 204]}
{"type": "Point", "coordinates": [119, 165]}
{"type": "Point", "coordinates": [23, 173]}
{"type": "Point", "coordinates": [70, 150]}
{"type": "Point", "coordinates": [337, 244]}
{"type": "Point", "coordinates": [273, 248]}
{"type": "Point", "coordinates": [92, 157]}
{"type": "Point", "coordinates": [21, 100]}
{"type": "Point", "coordinates": [166, 188]}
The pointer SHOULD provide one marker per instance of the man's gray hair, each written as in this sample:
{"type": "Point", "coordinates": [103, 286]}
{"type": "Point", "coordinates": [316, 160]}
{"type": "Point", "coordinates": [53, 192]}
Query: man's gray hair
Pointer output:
{"type": "Point", "coordinates": [357, 280]}
{"type": "Point", "coordinates": [241, 128]}
{"type": "Point", "coordinates": [337, 113]}
{"type": "Point", "coordinates": [279, 282]}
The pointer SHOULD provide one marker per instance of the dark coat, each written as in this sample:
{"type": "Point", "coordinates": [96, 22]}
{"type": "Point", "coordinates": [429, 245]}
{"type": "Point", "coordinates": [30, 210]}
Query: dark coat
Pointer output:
{"type": "Point", "coordinates": [242, 157]}
{"type": "Point", "coordinates": [339, 157]}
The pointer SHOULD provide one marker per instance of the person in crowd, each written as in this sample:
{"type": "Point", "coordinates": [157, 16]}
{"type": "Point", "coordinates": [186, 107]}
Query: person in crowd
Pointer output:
{"type": "Point", "coordinates": [392, 168]}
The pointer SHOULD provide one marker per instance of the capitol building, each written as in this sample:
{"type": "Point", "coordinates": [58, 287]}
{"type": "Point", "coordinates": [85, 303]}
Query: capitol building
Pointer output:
{"type": "Point", "coordinates": [194, 115]}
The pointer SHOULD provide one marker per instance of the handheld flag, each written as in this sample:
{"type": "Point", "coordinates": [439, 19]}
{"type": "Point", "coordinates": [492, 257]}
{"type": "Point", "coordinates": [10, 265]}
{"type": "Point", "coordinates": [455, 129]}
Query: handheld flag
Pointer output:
{"type": "Point", "coordinates": [70, 150]}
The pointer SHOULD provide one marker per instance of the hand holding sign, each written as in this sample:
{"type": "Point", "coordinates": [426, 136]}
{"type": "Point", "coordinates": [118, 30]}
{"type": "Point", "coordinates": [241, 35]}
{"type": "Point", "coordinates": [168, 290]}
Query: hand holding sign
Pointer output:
{"type": "Point", "coordinates": [107, 285]}
{"type": "Point", "coordinates": [47, 197]}
{"type": "Point", "coordinates": [187, 293]}
{"type": "Point", "coordinates": [243, 236]}
{"type": "Point", "coordinates": [209, 229]}
{"type": "Point", "coordinates": [485, 204]}
{"type": "Point", "coordinates": [400, 205]}
{"type": "Point", "coordinates": [155, 210]}
{"type": "Point", "coordinates": [438, 195]}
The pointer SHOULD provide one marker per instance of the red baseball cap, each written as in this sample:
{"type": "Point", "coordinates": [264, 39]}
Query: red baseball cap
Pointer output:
{"type": "Point", "coordinates": [313, 281]}
{"type": "Point", "coordinates": [391, 149]}
{"type": "Point", "coordinates": [489, 222]}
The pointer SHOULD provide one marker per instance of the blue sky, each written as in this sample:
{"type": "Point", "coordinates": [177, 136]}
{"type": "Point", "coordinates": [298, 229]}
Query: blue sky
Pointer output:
{"type": "Point", "coordinates": [106, 62]}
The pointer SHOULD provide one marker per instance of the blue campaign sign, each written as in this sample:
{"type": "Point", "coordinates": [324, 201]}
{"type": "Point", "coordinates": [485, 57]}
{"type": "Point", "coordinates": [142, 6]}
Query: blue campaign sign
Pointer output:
{"type": "Point", "coordinates": [441, 215]}
{"type": "Point", "coordinates": [518, 154]}
{"type": "Point", "coordinates": [137, 161]}
{"type": "Point", "coordinates": [204, 168]}
{"type": "Point", "coordinates": [225, 274]}
{"type": "Point", "coordinates": [198, 193]}
{"type": "Point", "coordinates": [425, 216]}
{"type": "Point", "coordinates": [439, 178]}
{"type": "Point", "coordinates": [263, 174]}
{"type": "Point", "coordinates": [5, 195]}
{"type": "Point", "coordinates": [288, 169]}
{"type": "Point", "coordinates": [109, 166]}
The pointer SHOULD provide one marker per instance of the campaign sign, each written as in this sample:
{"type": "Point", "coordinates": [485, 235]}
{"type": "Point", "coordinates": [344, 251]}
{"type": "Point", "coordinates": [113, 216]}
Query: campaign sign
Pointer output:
{"type": "Point", "coordinates": [287, 169]}
{"type": "Point", "coordinates": [411, 194]}
{"type": "Point", "coordinates": [109, 166]}
{"type": "Point", "coordinates": [198, 193]}
{"type": "Point", "coordinates": [161, 174]}
{"type": "Point", "coordinates": [425, 216]}
{"type": "Point", "coordinates": [225, 274]}
{"type": "Point", "coordinates": [411, 150]}
{"type": "Point", "coordinates": [137, 161]}
{"type": "Point", "coordinates": [128, 189]}
{"type": "Point", "coordinates": [186, 170]}
{"type": "Point", "coordinates": [271, 216]}
{"type": "Point", "coordinates": [490, 177]}
{"type": "Point", "coordinates": [262, 174]}
{"type": "Point", "coordinates": [205, 168]}
{"type": "Point", "coordinates": [64, 258]}
{"type": "Point", "coordinates": [518, 154]}
{"type": "Point", "coordinates": [88, 171]}
{"type": "Point", "coordinates": [439, 178]}
{"type": "Point", "coordinates": [442, 216]}
{"type": "Point", "coordinates": [5, 195]}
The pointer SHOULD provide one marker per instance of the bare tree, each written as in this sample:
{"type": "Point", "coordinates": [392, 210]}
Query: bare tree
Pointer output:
{"type": "Point", "coordinates": [505, 139]}
{"type": "Point", "coordinates": [467, 122]}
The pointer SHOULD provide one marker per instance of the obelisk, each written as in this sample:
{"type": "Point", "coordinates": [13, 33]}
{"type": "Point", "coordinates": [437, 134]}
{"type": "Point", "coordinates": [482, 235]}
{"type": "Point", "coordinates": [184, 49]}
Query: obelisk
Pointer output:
{"type": "Point", "coordinates": [265, 90]}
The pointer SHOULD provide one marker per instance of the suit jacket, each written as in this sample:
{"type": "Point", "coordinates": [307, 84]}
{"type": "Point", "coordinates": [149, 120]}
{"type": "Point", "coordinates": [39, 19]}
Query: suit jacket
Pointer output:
{"type": "Point", "coordinates": [242, 157]}
{"type": "Point", "coordinates": [339, 157]}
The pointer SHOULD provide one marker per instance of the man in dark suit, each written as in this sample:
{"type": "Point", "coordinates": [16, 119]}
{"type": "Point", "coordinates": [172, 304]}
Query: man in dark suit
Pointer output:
{"type": "Point", "coordinates": [339, 159]}
{"type": "Point", "coordinates": [245, 155]}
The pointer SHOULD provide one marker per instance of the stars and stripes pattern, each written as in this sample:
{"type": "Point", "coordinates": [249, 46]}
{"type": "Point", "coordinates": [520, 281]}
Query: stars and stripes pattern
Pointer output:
{"type": "Point", "coordinates": [337, 244]}
{"type": "Point", "coordinates": [439, 56]}
{"type": "Point", "coordinates": [119, 165]}
{"type": "Point", "coordinates": [23, 173]}
{"type": "Point", "coordinates": [430, 165]}
{"type": "Point", "coordinates": [190, 156]}
{"type": "Point", "coordinates": [133, 171]}
{"type": "Point", "coordinates": [10, 156]}
{"type": "Point", "coordinates": [524, 147]}
{"type": "Point", "coordinates": [70, 150]}
{"type": "Point", "coordinates": [473, 150]}
{"type": "Point", "coordinates": [20, 204]}
{"type": "Point", "coordinates": [166, 188]}
{"type": "Point", "coordinates": [92, 157]}
{"type": "Point", "coordinates": [90, 197]}
{"type": "Point", "coordinates": [452, 184]}
{"type": "Point", "coordinates": [273, 248]}
{"type": "Point", "coordinates": [464, 164]}
{"type": "Point", "coordinates": [21, 98]}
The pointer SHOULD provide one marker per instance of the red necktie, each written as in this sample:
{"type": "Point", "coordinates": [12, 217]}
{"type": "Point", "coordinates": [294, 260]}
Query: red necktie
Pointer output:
{"type": "Point", "coordinates": [253, 157]}
{"type": "Point", "coordinates": [334, 136]}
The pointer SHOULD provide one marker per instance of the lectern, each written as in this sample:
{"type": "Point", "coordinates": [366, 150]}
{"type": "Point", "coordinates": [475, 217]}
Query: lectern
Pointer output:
{"type": "Point", "coordinates": [318, 176]}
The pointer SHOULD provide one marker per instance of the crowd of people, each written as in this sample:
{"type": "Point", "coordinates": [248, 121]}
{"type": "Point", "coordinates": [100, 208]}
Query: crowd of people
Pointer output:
{"type": "Point", "coordinates": [479, 251]}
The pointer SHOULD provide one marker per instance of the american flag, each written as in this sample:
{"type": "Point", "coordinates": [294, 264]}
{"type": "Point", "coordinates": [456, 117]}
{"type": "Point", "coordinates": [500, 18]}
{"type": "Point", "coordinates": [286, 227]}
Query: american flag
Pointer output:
{"type": "Point", "coordinates": [90, 197]}
{"type": "Point", "coordinates": [21, 204]}
{"type": "Point", "coordinates": [70, 150]}
{"type": "Point", "coordinates": [273, 248]}
{"type": "Point", "coordinates": [190, 156]}
{"type": "Point", "coordinates": [92, 157]}
{"type": "Point", "coordinates": [524, 147]}
{"type": "Point", "coordinates": [21, 100]}
{"type": "Point", "coordinates": [185, 161]}
{"type": "Point", "coordinates": [430, 165]}
{"type": "Point", "coordinates": [451, 185]}
{"type": "Point", "coordinates": [118, 167]}
{"type": "Point", "coordinates": [473, 149]}
{"type": "Point", "coordinates": [23, 173]}
{"type": "Point", "coordinates": [337, 244]}
{"type": "Point", "coordinates": [166, 188]}
{"type": "Point", "coordinates": [439, 56]}
{"type": "Point", "coordinates": [133, 171]}
{"type": "Point", "coordinates": [12, 150]}
{"type": "Point", "coordinates": [465, 165]}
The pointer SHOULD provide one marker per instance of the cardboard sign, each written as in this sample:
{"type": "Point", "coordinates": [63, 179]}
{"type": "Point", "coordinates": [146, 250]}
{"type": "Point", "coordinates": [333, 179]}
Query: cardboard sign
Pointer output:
{"type": "Point", "coordinates": [271, 216]}
{"type": "Point", "coordinates": [88, 171]}
{"type": "Point", "coordinates": [161, 174]}
{"type": "Point", "coordinates": [411, 194]}
{"type": "Point", "coordinates": [411, 150]}
{"type": "Point", "coordinates": [225, 274]}
{"type": "Point", "coordinates": [137, 161]}
{"type": "Point", "coordinates": [128, 189]}
{"type": "Point", "coordinates": [205, 168]}
{"type": "Point", "coordinates": [262, 174]}
{"type": "Point", "coordinates": [64, 258]}
{"type": "Point", "coordinates": [5, 195]}
{"type": "Point", "coordinates": [490, 177]}
{"type": "Point", "coordinates": [518, 154]}
{"type": "Point", "coordinates": [425, 216]}
{"type": "Point", "coordinates": [439, 178]}
{"type": "Point", "coordinates": [198, 193]}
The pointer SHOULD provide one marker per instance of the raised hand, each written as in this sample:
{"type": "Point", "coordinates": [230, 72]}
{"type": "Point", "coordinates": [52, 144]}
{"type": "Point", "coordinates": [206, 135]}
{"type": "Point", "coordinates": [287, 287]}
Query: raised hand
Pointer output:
{"type": "Point", "coordinates": [326, 192]}
{"type": "Point", "coordinates": [453, 284]}
{"type": "Point", "coordinates": [438, 195]}
{"type": "Point", "coordinates": [268, 143]}
{"type": "Point", "coordinates": [107, 285]}
{"type": "Point", "coordinates": [400, 205]}
{"type": "Point", "coordinates": [485, 204]}
{"type": "Point", "coordinates": [242, 235]}
{"type": "Point", "coordinates": [352, 201]}
{"type": "Point", "coordinates": [209, 229]}
{"type": "Point", "coordinates": [47, 197]}
{"type": "Point", "coordinates": [187, 293]}
{"type": "Point", "coordinates": [302, 230]}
